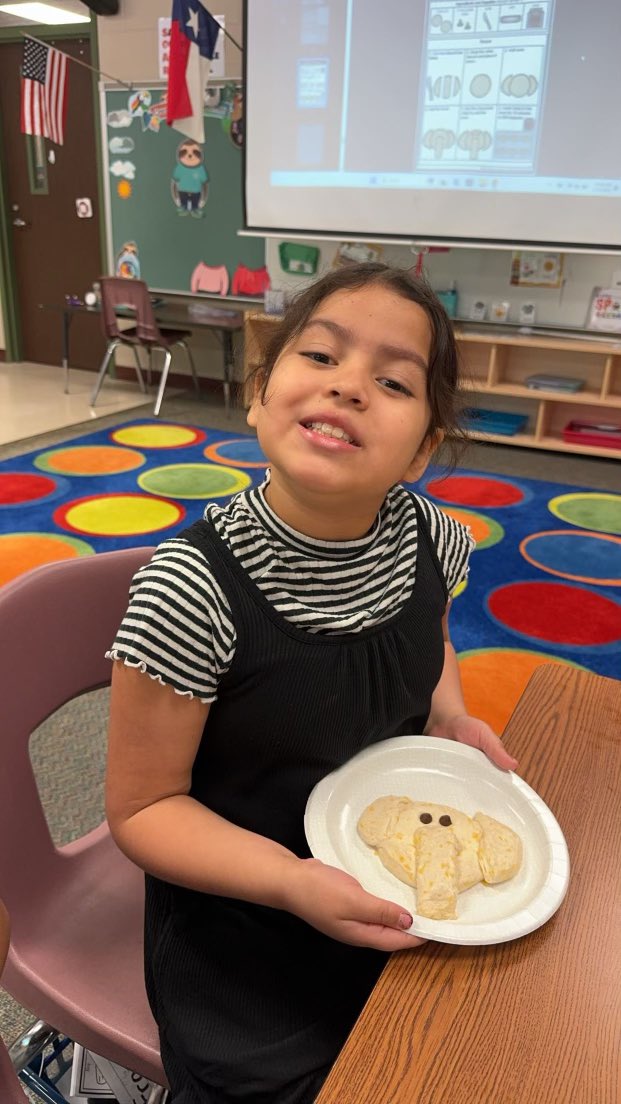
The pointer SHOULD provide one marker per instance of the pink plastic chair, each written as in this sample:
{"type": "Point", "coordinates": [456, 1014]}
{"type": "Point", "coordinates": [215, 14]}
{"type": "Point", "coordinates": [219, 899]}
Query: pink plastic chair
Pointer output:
{"type": "Point", "coordinates": [118, 292]}
{"type": "Point", "coordinates": [76, 954]}
{"type": "Point", "coordinates": [10, 1089]}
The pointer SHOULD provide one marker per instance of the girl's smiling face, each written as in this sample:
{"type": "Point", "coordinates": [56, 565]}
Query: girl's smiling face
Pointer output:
{"type": "Point", "coordinates": [345, 414]}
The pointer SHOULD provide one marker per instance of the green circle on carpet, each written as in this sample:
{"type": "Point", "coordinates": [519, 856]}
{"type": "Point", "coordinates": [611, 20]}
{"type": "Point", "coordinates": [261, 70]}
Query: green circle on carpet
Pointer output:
{"type": "Point", "coordinates": [589, 510]}
{"type": "Point", "coordinates": [194, 481]}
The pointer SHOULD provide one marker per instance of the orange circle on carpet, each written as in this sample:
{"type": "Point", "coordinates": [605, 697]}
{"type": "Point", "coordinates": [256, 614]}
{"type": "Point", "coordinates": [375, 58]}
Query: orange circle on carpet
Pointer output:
{"type": "Point", "coordinates": [20, 552]}
{"type": "Point", "coordinates": [493, 680]}
{"type": "Point", "coordinates": [158, 436]}
{"type": "Point", "coordinates": [118, 515]}
{"type": "Point", "coordinates": [485, 531]}
{"type": "Point", "coordinates": [90, 460]}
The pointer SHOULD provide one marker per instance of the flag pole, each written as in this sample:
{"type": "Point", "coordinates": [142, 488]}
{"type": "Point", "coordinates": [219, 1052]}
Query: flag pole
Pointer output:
{"type": "Point", "coordinates": [230, 36]}
{"type": "Point", "coordinates": [85, 64]}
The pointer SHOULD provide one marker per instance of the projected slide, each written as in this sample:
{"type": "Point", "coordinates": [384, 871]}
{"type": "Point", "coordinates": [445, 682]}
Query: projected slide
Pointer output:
{"type": "Point", "coordinates": [360, 114]}
{"type": "Point", "coordinates": [484, 84]}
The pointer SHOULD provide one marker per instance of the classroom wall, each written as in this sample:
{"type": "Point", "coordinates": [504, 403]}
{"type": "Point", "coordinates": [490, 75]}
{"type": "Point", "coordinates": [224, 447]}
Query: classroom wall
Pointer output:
{"type": "Point", "coordinates": [482, 274]}
{"type": "Point", "coordinates": [128, 41]}
{"type": "Point", "coordinates": [128, 50]}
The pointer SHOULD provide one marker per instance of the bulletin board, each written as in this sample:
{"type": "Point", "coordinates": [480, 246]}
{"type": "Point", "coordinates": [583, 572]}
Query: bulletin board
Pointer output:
{"type": "Point", "coordinates": [196, 248]}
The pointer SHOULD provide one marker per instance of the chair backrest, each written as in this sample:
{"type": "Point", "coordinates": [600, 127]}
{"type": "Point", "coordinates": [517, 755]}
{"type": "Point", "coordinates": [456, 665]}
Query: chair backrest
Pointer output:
{"type": "Point", "coordinates": [117, 291]}
{"type": "Point", "coordinates": [10, 1090]}
{"type": "Point", "coordinates": [56, 623]}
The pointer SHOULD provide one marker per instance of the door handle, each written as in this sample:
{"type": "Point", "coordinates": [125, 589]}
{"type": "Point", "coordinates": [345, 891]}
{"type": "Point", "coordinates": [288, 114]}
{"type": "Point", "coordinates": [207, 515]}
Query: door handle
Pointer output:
{"type": "Point", "coordinates": [20, 223]}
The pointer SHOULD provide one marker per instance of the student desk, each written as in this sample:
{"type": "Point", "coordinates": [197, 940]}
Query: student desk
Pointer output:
{"type": "Point", "coordinates": [538, 1019]}
{"type": "Point", "coordinates": [176, 314]}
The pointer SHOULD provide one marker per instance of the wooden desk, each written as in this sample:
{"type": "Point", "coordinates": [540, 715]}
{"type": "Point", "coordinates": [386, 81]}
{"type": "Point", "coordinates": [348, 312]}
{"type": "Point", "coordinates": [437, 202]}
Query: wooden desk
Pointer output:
{"type": "Point", "coordinates": [174, 314]}
{"type": "Point", "coordinates": [536, 1021]}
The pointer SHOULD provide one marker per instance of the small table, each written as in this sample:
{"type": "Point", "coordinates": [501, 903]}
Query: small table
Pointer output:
{"type": "Point", "coordinates": [538, 1019]}
{"type": "Point", "coordinates": [176, 315]}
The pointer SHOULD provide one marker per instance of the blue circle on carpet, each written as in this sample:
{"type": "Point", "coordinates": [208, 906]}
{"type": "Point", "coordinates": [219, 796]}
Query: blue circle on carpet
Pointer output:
{"type": "Point", "coordinates": [238, 452]}
{"type": "Point", "coordinates": [580, 556]}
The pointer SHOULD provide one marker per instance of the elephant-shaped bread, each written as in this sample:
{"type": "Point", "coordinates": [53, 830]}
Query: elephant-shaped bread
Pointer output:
{"type": "Point", "coordinates": [439, 851]}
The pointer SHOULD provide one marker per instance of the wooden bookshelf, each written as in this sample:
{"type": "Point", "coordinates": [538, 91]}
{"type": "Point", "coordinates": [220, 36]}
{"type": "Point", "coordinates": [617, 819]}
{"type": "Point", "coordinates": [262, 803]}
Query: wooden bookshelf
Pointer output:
{"type": "Point", "coordinates": [495, 366]}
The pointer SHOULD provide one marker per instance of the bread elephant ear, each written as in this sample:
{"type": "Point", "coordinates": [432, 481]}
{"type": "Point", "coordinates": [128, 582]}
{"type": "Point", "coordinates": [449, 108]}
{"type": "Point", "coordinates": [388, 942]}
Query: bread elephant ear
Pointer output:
{"type": "Point", "coordinates": [399, 859]}
{"type": "Point", "coordinates": [500, 850]}
{"type": "Point", "coordinates": [379, 820]}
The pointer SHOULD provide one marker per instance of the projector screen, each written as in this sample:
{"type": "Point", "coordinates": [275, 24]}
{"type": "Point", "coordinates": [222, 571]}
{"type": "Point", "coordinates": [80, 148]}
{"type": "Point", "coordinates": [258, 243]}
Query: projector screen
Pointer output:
{"type": "Point", "coordinates": [484, 122]}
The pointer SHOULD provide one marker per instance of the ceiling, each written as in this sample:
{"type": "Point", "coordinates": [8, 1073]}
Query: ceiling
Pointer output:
{"type": "Point", "coordinates": [68, 5]}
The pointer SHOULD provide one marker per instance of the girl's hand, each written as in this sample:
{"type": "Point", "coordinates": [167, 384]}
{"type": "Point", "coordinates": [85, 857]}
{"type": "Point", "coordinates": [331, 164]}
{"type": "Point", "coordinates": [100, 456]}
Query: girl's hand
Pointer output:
{"type": "Point", "coordinates": [337, 905]}
{"type": "Point", "coordinates": [478, 734]}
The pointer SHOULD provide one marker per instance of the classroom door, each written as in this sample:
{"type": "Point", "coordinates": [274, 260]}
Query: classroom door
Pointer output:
{"type": "Point", "coordinates": [55, 252]}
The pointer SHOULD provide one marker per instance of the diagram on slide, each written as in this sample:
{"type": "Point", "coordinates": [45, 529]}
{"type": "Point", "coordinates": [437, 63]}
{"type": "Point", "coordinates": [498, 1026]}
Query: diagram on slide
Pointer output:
{"type": "Point", "coordinates": [484, 77]}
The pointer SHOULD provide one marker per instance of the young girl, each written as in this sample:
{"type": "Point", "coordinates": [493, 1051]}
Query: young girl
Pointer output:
{"type": "Point", "coordinates": [262, 648]}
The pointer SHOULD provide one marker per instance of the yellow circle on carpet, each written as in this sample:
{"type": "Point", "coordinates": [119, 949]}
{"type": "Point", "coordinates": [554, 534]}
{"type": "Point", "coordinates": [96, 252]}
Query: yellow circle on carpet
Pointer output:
{"type": "Point", "coordinates": [155, 436]}
{"type": "Point", "coordinates": [20, 552]}
{"type": "Point", "coordinates": [90, 460]}
{"type": "Point", "coordinates": [493, 680]}
{"type": "Point", "coordinates": [121, 515]}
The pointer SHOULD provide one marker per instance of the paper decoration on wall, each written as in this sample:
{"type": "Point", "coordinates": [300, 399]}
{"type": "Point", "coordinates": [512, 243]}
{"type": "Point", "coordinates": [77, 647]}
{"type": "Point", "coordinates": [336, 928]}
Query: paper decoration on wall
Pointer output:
{"type": "Point", "coordinates": [119, 119]}
{"type": "Point", "coordinates": [226, 102]}
{"type": "Point", "coordinates": [140, 107]}
{"type": "Point", "coordinates": [298, 259]}
{"type": "Point", "coordinates": [605, 310]}
{"type": "Point", "coordinates": [120, 146]}
{"type": "Point", "coordinates": [250, 281]}
{"type": "Point", "coordinates": [531, 269]}
{"type": "Point", "coordinates": [123, 168]}
{"type": "Point", "coordinates": [210, 279]}
{"type": "Point", "coordinates": [128, 261]}
{"type": "Point", "coordinates": [237, 121]}
{"type": "Point", "coordinates": [356, 253]}
{"type": "Point", "coordinates": [190, 180]}
{"type": "Point", "coordinates": [127, 171]}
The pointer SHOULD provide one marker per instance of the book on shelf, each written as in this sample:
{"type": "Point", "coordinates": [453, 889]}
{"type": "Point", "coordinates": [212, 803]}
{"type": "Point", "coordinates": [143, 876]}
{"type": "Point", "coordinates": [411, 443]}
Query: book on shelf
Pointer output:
{"type": "Point", "coordinates": [551, 382]}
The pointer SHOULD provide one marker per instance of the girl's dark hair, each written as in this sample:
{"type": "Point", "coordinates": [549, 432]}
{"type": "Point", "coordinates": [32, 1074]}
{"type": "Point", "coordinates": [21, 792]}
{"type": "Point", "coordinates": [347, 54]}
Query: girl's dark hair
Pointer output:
{"type": "Point", "coordinates": [443, 390]}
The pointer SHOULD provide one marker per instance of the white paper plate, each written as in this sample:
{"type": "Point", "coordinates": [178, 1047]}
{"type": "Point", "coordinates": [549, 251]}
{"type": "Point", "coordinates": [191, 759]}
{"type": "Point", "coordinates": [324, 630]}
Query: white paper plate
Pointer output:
{"type": "Point", "coordinates": [429, 769]}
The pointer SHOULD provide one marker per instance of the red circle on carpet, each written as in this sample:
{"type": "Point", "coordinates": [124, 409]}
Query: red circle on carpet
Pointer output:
{"type": "Point", "coordinates": [475, 490]}
{"type": "Point", "coordinates": [21, 487]}
{"type": "Point", "coordinates": [557, 613]}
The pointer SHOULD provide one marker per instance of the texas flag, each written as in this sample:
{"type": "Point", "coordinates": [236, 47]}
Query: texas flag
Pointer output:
{"type": "Point", "coordinates": [193, 36]}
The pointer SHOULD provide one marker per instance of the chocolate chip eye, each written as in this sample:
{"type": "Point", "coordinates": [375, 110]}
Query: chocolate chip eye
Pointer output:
{"type": "Point", "coordinates": [425, 818]}
{"type": "Point", "coordinates": [445, 821]}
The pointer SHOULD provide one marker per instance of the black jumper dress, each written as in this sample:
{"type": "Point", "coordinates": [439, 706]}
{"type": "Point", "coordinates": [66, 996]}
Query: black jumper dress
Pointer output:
{"type": "Point", "coordinates": [252, 1003]}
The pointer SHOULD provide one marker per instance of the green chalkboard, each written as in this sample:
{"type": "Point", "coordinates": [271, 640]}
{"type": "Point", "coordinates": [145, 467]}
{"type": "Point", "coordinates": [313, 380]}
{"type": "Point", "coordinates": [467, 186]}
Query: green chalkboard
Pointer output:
{"type": "Point", "coordinates": [149, 228]}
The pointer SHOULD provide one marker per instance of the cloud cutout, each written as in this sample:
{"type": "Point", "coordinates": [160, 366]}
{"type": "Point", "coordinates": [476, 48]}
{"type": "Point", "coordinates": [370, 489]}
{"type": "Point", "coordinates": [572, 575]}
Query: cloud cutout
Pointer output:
{"type": "Point", "coordinates": [120, 118]}
{"type": "Point", "coordinates": [121, 145]}
{"type": "Point", "coordinates": [123, 168]}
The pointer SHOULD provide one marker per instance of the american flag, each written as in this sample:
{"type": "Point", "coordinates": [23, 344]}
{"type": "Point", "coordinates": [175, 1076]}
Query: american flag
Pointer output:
{"type": "Point", "coordinates": [44, 91]}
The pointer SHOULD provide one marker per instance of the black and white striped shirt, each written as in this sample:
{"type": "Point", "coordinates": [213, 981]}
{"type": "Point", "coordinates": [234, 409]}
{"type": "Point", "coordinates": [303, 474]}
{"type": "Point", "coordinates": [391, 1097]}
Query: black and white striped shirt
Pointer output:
{"type": "Point", "coordinates": [179, 628]}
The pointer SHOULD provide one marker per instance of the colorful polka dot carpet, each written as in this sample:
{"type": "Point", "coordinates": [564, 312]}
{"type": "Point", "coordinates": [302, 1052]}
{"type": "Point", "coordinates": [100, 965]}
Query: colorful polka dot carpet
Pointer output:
{"type": "Point", "coordinates": [545, 580]}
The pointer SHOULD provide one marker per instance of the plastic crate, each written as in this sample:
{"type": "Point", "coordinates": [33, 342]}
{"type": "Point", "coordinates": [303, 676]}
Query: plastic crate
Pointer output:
{"type": "Point", "coordinates": [604, 434]}
{"type": "Point", "coordinates": [494, 421]}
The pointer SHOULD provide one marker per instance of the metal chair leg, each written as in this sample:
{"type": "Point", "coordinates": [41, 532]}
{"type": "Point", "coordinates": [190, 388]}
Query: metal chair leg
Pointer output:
{"type": "Point", "coordinates": [188, 353]}
{"type": "Point", "coordinates": [139, 370]}
{"type": "Point", "coordinates": [104, 368]}
{"type": "Point", "coordinates": [165, 370]}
